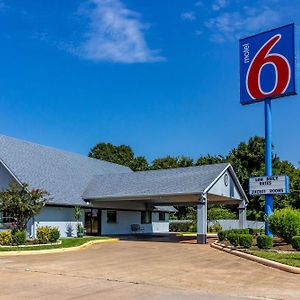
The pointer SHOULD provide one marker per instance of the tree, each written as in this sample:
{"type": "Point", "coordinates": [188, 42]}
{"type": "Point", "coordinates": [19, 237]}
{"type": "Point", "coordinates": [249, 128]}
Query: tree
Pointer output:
{"type": "Point", "coordinates": [20, 204]}
{"type": "Point", "coordinates": [169, 162]}
{"type": "Point", "coordinates": [208, 160]}
{"type": "Point", "coordinates": [122, 155]}
{"type": "Point", "coordinates": [219, 213]}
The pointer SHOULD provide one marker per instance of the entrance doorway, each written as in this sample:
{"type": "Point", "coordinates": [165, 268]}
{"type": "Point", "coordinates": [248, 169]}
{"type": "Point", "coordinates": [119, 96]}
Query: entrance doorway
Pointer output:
{"type": "Point", "coordinates": [92, 223]}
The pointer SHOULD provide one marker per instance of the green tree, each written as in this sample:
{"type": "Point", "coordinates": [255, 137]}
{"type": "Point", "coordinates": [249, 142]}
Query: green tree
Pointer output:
{"type": "Point", "coordinates": [122, 155]}
{"type": "Point", "coordinates": [220, 213]}
{"type": "Point", "coordinates": [208, 160]}
{"type": "Point", "coordinates": [169, 162]}
{"type": "Point", "coordinates": [22, 204]}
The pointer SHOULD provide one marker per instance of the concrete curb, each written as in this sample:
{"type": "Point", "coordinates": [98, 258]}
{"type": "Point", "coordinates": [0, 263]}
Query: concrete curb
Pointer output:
{"type": "Point", "coordinates": [260, 260]}
{"type": "Point", "coordinates": [57, 250]}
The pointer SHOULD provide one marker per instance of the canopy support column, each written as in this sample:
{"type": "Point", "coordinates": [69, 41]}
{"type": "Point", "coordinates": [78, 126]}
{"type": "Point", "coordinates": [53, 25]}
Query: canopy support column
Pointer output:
{"type": "Point", "coordinates": [242, 215]}
{"type": "Point", "coordinates": [202, 219]}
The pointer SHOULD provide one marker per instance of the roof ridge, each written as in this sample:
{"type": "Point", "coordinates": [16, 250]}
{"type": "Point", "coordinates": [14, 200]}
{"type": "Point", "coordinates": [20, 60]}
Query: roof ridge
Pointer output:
{"type": "Point", "coordinates": [60, 150]}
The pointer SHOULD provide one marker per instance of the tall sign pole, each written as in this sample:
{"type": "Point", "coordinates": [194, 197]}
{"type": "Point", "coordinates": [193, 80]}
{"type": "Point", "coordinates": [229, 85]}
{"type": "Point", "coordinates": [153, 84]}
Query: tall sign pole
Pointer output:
{"type": "Point", "coordinates": [267, 71]}
{"type": "Point", "coordinates": [268, 161]}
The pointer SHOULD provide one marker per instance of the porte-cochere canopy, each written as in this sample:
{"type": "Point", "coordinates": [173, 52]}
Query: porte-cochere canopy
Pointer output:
{"type": "Point", "coordinates": [200, 186]}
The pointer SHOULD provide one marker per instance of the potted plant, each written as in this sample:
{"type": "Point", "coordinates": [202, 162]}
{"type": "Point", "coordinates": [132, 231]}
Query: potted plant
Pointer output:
{"type": "Point", "coordinates": [77, 216]}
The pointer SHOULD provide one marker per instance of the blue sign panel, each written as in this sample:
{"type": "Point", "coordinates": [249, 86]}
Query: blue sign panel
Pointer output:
{"type": "Point", "coordinates": [267, 65]}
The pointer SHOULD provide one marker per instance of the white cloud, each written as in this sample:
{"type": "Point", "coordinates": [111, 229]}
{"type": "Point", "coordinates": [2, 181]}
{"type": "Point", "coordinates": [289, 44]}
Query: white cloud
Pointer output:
{"type": "Point", "coordinates": [219, 4]}
{"type": "Point", "coordinates": [228, 26]}
{"type": "Point", "coordinates": [115, 34]}
{"type": "Point", "coordinates": [188, 16]}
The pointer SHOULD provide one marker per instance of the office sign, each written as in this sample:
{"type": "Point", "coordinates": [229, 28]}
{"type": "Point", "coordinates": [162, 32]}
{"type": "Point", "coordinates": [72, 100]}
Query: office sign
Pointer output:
{"type": "Point", "coordinates": [269, 185]}
{"type": "Point", "coordinates": [267, 65]}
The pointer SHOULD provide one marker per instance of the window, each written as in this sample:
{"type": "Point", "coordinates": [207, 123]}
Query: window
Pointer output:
{"type": "Point", "coordinates": [162, 216]}
{"type": "Point", "coordinates": [111, 216]}
{"type": "Point", "coordinates": [146, 217]}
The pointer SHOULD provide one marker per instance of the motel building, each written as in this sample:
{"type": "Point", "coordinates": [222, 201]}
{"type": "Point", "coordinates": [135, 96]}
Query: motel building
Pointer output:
{"type": "Point", "coordinates": [114, 199]}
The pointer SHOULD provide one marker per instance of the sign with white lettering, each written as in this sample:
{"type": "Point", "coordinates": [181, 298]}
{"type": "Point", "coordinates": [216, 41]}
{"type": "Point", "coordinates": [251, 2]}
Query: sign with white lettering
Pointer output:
{"type": "Point", "coordinates": [267, 65]}
{"type": "Point", "coordinates": [269, 185]}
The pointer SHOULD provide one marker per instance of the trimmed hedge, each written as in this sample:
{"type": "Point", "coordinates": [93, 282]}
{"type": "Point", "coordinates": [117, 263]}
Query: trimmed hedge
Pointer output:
{"type": "Point", "coordinates": [245, 240]}
{"type": "Point", "coordinates": [296, 242]}
{"type": "Point", "coordinates": [19, 238]}
{"type": "Point", "coordinates": [12, 238]}
{"type": "Point", "coordinates": [256, 231]}
{"type": "Point", "coordinates": [182, 226]}
{"type": "Point", "coordinates": [47, 234]}
{"type": "Point", "coordinates": [233, 238]}
{"type": "Point", "coordinates": [264, 242]}
{"type": "Point", "coordinates": [222, 235]}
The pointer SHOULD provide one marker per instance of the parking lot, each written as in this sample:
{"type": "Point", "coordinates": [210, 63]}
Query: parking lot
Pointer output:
{"type": "Point", "coordinates": [142, 270]}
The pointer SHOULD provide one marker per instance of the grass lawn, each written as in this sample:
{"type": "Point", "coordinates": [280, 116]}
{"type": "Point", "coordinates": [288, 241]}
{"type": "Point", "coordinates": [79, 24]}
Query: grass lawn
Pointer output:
{"type": "Point", "coordinates": [292, 259]}
{"type": "Point", "coordinates": [66, 243]}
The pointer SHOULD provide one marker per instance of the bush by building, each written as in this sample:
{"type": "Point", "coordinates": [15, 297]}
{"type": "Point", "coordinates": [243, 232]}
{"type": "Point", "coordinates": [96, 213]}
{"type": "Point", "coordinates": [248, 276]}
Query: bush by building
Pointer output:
{"type": "Point", "coordinates": [296, 242]}
{"type": "Point", "coordinates": [233, 239]}
{"type": "Point", "coordinates": [246, 240]}
{"type": "Point", "coordinates": [47, 234]}
{"type": "Point", "coordinates": [285, 223]}
{"type": "Point", "coordinates": [264, 242]}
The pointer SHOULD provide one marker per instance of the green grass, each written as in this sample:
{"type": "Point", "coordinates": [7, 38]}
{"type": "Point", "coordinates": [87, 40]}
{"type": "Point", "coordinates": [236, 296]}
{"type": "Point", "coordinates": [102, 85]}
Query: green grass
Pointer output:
{"type": "Point", "coordinates": [66, 243]}
{"type": "Point", "coordinates": [292, 259]}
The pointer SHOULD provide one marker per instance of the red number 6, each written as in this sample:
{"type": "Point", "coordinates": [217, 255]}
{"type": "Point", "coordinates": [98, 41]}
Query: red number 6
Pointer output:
{"type": "Point", "coordinates": [281, 67]}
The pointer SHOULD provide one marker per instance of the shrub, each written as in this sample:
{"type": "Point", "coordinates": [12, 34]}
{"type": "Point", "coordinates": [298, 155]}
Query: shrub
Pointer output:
{"type": "Point", "coordinates": [192, 228]}
{"type": "Point", "coordinates": [233, 238]}
{"type": "Point", "coordinates": [6, 238]}
{"type": "Point", "coordinates": [180, 226]}
{"type": "Point", "coordinates": [264, 242]}
{"type": "Point", "coordinates": [245, 240]}
{"type": "Point", "coordinates": [222, 235]}
{"type": "Point", "coordinates": [215, 228]}
{"type": "Point", "coordinates": [54, 235]}
{"type": "Point", "coordinates": [19, 237]}
{"type": "Point", "coordinates": [296, 242]}
{"type": "Point", "coordinates": [240, 231]}
{"type": "Point", "coordinates": [218, 213]}
{"type": "Point", "coordinates": [256, 231]}
{"type": "Point", "coordinates": [285, 223]}
{"type": "Point", "coordinates": [47, 234]}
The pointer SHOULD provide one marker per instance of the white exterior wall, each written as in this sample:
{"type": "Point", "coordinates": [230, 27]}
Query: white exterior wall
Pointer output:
{"type": "Point", "coordinates": [228, 191]}
{"type": "Point", "coordinates": [61, 217]}
{"type": "Point", "coordinates": [126, 218]}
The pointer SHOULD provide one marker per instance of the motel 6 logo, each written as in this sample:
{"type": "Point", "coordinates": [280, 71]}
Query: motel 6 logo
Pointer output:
{"type": "Point", "coordinates": [267, 65]}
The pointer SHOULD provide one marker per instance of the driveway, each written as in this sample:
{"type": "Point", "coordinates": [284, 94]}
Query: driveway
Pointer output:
{"type": "Point", "coordinates": [143, 270]}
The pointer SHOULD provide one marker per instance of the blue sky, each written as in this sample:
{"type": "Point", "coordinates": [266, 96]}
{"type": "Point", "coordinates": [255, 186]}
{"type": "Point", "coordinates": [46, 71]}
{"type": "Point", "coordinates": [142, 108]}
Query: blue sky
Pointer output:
{"type": "Point", "coordinates": [159, 75]}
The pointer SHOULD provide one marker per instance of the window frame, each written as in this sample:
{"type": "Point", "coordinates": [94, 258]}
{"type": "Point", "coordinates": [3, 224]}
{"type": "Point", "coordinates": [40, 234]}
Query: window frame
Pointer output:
{"type": "Point", "coordinates": [114, 219]}
{"type": "Point", "coordinates": [144, 217]}
{"type": "Point", "coordinates": [162, 213]}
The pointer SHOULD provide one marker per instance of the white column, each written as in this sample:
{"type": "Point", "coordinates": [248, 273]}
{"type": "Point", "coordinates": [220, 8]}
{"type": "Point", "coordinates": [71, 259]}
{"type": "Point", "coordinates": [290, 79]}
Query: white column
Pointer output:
{"type": "Point", "coordinates": [202, 220]}
{"type": "Point", "coordinates": [242, 216]}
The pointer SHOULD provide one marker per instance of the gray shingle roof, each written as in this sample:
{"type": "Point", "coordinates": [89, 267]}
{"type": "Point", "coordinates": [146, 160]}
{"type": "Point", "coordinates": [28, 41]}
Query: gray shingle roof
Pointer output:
{"type": "Point", "coordinates": [64, 175]}
{"type": "Point", "coordinates": [158, 182]}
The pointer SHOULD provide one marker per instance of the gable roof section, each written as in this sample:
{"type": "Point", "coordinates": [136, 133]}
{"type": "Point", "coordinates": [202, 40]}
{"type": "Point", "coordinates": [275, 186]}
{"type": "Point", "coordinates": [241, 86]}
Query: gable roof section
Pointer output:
{"type": "Point", "coordinates": [179, 181]}
{"type": "Point", "coordinates": [64, 175]}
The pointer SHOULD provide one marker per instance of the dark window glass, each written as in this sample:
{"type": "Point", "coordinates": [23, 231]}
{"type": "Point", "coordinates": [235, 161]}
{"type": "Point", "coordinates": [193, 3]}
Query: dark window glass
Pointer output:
{"type": "Point", "coordinates": [111, 216]}
{"type": "Point", "coordinates": [162, 216]}
{"type": "Point", "coordinates": [146, 217]}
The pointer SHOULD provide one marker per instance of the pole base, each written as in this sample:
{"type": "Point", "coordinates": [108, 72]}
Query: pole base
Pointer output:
{"type": "Point", "coordinates": [201, 239]}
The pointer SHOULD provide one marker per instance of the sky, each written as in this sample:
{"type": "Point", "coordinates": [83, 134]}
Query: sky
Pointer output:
{"type": "Point", "coordinates": [159, 75]}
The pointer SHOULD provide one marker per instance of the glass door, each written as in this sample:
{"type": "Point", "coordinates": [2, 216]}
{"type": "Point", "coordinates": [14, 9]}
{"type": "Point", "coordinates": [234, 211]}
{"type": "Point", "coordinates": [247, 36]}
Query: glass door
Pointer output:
{"type": "Point", "coordinates": [92, 222]}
